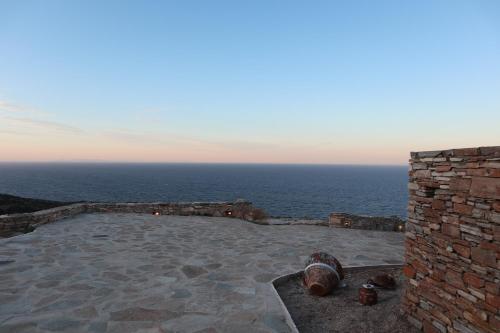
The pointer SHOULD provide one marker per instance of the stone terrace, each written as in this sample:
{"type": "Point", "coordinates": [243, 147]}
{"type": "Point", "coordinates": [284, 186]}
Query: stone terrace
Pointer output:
{"type": "Point", "coordinates": [144, 273]}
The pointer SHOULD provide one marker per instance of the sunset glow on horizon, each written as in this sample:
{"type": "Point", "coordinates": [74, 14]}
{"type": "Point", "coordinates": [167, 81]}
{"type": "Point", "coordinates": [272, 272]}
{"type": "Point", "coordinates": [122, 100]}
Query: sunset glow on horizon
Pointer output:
{"type": "Point", "coordinates": [257, 82]}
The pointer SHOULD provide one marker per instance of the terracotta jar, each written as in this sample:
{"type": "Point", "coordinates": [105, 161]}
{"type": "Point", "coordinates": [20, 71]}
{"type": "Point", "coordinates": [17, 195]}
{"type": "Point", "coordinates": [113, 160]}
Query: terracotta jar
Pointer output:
{"type": "Point", "coordinates": [322, 273]}
{"type": "Point", "coordinates": [367, 294]}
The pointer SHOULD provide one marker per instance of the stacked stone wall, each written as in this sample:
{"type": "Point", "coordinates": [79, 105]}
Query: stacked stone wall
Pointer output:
{"type": "Point", "coordinates": [18, 223]}
{"type": "Point", "coordinates": [350, 221]}
{"type": "Point", "coordinates": [453, 241]}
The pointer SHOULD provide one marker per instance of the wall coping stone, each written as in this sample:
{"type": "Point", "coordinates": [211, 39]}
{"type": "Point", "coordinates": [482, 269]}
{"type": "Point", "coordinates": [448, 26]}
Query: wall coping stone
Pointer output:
{"type": "Point", "coordinates": [493, 151]}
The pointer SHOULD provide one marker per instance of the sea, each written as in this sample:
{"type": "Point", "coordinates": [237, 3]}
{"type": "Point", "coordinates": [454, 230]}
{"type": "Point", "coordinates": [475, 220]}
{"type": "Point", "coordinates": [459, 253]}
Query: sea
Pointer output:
{"type": "Point", "coordinates": [312, 191]}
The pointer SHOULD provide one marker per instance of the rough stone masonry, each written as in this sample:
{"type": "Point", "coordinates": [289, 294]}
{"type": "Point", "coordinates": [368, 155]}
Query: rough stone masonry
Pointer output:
{"type": "Point", "coordinates": [19, 223]}
{"type": "Point", "coordinates": [344, 220]}
{"type": "Point", "coordinates": [453, 241]}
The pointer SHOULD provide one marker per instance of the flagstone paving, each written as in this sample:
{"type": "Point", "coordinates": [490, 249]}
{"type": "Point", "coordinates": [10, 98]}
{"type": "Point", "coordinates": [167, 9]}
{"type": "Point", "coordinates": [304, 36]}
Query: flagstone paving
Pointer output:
{"type": "Point", "coordinates": [143, 273]}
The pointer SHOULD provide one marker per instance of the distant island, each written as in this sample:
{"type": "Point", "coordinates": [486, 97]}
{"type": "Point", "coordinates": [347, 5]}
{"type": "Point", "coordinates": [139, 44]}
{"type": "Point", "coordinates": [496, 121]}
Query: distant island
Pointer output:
{"type": "Point", "coordinates": [10, 204]}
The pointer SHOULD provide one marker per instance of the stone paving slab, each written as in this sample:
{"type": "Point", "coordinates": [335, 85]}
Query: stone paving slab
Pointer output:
{"type": "Point", "coordinates": [143, 273]}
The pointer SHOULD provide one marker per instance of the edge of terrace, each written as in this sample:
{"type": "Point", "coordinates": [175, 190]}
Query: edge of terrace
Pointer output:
{"type": "Point", "coordinates": [26, 222]}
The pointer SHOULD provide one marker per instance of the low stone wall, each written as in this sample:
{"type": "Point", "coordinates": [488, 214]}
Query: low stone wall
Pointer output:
{"type": "Point", "coordinates": [453, 241]}
{"type": "Point", "coordinates": [343, 220]}
{"type": "Point", "coordinates": [19, 223]}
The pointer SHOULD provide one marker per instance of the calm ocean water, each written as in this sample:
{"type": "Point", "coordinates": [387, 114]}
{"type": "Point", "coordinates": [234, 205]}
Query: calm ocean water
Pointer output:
{"type": "Point", "coordinates": [282, 190]}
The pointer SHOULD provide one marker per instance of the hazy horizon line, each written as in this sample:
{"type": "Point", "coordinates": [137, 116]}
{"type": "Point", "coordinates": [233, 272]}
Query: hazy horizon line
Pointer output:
{"type": "Point", "coordinates": [206, 163]}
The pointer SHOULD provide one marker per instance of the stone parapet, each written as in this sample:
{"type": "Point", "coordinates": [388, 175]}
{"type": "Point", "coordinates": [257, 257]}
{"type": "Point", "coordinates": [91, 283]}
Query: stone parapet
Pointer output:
{"type": "Point", "coordinates": [19, 223]}
{"type": "Point", "coordinates": [453, 241]}
{"type": "Point", "coordinates": [343, 220]}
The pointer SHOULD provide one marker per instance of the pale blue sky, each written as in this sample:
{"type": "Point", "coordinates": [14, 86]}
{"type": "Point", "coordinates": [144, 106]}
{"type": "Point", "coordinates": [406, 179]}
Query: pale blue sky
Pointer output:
{"type": "Point", "coordinates": [247, 81]}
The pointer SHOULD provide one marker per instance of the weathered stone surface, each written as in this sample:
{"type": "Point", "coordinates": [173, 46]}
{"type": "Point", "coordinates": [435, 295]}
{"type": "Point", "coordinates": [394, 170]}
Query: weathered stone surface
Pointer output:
{"type": "Point", "coordinates": [193, 271]}
{"type": "Point", "coordinates": [425, 154]}
{"type": "Point", "coordinates": [21, 223]}
{"type": "Point", "coordinates": [230, 263]}
{"type": "Point", "coordinates": [473, 280]}
{"type": "Point", "coordinates": [453, 241]}
{"type": "Point", "coordinates": [454, 278]}
{"type": "Point", "coordinates": [423, 173]}
{"type": "Point", "coordinates": [419, 166]}
{"type": "Point", "coordinates": [490, 151]}
{"type": "Point", "coordinates": [462, 209]}
{"type": "Point", "coordinates": [116, 276]}
{"type": "Point", "coordinates": [466, 152]}
{"type": "Point", "coordinates": [460, 184]}
{"type": "Point", "coordinates": [438, 204]}
{"type": "Point", "coordinates": [343, 220]}
{"type": "Point", "coordinates": [462, 250]}
{"type": "Point", "coordinates": [485, 187]}
{"type": "Point", "coordinates": [484, 257]}
{"type": "Point", "coordinates": [60, 324]}
{"type": "Point", "coordinates": [409, 271]}
{"type": "Point", "coordinates": [450, 230]}
{"type": "Point", "coordinates": [141, 314]}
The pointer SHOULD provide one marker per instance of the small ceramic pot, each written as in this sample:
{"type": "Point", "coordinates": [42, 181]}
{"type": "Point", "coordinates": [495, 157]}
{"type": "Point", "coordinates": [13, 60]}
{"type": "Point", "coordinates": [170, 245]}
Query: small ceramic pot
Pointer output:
{"type": "Point", "coordinates": [367, 295]}
{"type": "Point", "coordinates": [384, 281]}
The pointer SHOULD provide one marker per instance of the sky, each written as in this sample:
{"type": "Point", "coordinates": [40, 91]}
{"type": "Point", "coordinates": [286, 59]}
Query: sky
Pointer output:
{"type": "Point", "coordinates": [329, 82]}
